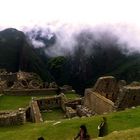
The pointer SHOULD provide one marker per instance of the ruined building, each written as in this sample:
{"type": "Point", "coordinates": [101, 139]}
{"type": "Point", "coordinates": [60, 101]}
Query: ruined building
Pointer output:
{"type": "Point", "coordinates": [110, 95]}
{"type": "Point", "coordinates": [24, 83]}
{"type": "Point", "coordinates": [107, 95]}
{"type": "Point", "coordinates": [19, 80]}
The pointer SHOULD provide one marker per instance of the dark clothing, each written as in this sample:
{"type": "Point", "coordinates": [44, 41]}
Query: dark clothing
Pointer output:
{"type": "Point", "coordinates": [40, 138]}
{"type": "Point", "coordinates": [82, 135]}
{"type": "Point", "coordinates": [102, 129]}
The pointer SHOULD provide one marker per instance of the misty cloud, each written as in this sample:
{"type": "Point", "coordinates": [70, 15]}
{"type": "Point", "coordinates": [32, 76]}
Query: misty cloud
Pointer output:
{"type": "Point", "coordinates": [68, 19]}
{"type": "Point", "coordinates": [67, 39]}
{"type": "Point", "coordinates": [38, 36]}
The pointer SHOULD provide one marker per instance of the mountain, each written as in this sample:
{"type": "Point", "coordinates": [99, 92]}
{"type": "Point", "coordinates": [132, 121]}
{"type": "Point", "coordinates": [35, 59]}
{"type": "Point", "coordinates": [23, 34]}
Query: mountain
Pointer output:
{"type": "Point", "coordinates": [91, 58]}
{"type": "Point", "coordinates": [16, 53]}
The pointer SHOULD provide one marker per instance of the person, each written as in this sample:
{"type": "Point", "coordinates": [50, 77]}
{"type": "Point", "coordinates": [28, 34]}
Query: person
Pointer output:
{"type": "Point", "coordinates": [83, 134]}
{"type": "Point", "coordinates": [40, 138]}
{"type": "Point", "coordinates": [103, 127]}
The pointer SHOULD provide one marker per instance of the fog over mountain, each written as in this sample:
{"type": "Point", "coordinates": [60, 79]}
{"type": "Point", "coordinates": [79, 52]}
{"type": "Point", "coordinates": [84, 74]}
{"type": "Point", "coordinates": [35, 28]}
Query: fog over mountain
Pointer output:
{"type": "Point", "coordinates": [74, 41]}
{"type": "Point", "coordinates": [67, 18]}
{"type": "Point", "coordinates": [64, 40]}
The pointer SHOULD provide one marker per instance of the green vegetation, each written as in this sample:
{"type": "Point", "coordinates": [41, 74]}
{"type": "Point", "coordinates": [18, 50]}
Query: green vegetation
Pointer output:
{"type": "Point", "coordinates": [16, 53]}
{"type": "Point", "coordinates": [13, 102]}
{"type": "Point", "coordinates": [71, 95]}
{"type": "Point", "coordinates": [54, 114]}
{"type": "Point", "coordinates": [90, 59]}
{"type": "Point", "coordinates": [8, 102]}
{"type": "Point", "coordinates": [66, 129]}
{"type": "Point", "coordinates": [128, 69]}
{"type": "Point", "coordinates": [131, 134]}
{"type": "Point", "coordinates": [58, 67]}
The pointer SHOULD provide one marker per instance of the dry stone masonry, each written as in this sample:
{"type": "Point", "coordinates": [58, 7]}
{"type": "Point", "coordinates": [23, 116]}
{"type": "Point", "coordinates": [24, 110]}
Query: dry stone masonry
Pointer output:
{"type": "Point", "coordinates": [110, 95]}
{"type": "Point", "coordinates": [106, 96]}
{"type": "Point", "coordinates": [9, 118]}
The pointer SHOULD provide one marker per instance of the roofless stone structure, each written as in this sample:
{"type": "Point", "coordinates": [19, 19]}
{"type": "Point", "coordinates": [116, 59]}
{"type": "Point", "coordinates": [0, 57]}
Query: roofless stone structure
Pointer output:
{"type": "Point", "coordinates": [109, 95]}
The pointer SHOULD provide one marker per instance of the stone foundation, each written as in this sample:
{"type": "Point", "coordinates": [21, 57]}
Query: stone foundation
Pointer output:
{"type": "Point", "coordinates": [9, 118]}
{"type": "Point", "coordinates": [49, 102]}
{"type": "Point", "coordinates": [32, 92]}
{"type": "Point", "coordinates": [84, 111]}
{"type": "Point", "coordinates": [70, 112]}
{"type": "Point", "coordinates": [129, 96]}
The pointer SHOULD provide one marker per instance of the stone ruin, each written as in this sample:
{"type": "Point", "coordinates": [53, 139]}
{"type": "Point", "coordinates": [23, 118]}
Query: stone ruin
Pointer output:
{"type": "Point", "coordinates": [24, 83]}
{"type": "Point", "coordinates": [37, 105]}
{"type": "Point", "coordinates": [110, 95]}
{"type": "Point", "coordinates": [22, 80]}
{"type": "Point", "coordinates": [9, 118]}
{"type": "Point", "coordinates": [106, 96]}
{"type": "Point", "coordinates": [58, 101]}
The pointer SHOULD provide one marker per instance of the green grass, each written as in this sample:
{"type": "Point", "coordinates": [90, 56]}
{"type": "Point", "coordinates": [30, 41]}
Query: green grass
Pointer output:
{"type": "Point", "coordinates": [54, 114]}
{"type": "Point", "coordinates": [66, 129]}
{"type": "Point", "coordinates": [131, 134]}
{"type": "Point", "coordinates": [71, 95]}
{"type": "Point", "coordinates": [13, 102]}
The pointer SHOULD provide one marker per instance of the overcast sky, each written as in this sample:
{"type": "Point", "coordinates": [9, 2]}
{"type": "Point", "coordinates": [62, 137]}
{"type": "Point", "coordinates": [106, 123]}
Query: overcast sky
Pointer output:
{"type": "Point", "coordinates": [16, 13]}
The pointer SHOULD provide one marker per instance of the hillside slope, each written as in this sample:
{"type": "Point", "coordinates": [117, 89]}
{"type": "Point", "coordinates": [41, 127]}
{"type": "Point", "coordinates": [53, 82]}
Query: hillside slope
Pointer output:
{"type": "Point", "coordinates": [17, 54]}
{"type": "Point", "coordinates": [90, 59]}
{"type": "Point", "coordinates": [67, 129]}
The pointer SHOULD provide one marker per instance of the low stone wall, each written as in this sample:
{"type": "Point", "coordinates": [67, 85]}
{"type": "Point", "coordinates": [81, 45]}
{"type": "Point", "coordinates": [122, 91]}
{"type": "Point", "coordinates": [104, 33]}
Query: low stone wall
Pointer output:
{"type": "Point", "coordinates": [35, 112]}
{"type": "Point", "coordinates": [8, 118]}
{"type": "Point", "coordinates": [63, 101]}
{"type": "Point", "coordinates": [97, 103]}
{"type": "Point", "coordinates": [34, 92]}
{"type": "Point", "coordinates": [49, 102]}
{"type": "Point", "coordinates": [129, 96]}
{"type": "Point", "coordinates": [8, 77]}
{"type": "Point", "coordinates": [84, 111]}
{"type": "Point", "coordinates": [70, 112]}
{"type": "Point", "coordinates": [108, 87]}
{"type": "Point", "coordinates": [73, 103]}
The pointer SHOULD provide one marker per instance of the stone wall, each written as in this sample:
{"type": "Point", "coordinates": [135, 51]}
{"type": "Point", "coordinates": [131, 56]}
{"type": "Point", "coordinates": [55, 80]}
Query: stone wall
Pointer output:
{"type": "Point", "coordinates": [35, 112]}
{"type": "Point", "coordinates": [7, 80]}
{"type": "Point", "coordinates": [8, 77]}
{"type": "Point", "coordinates": [70, 112]}
{"type": "Point", "coordinates": [129, 96]}
{"type": "Point", "coordinates": [9, 118]}
{"type": "Point", "coordinates": [108, 87]}
{"type": "Point", "coordinates": [49, 102]}
{"type": "Point", "coordinates": [33, 92]}
{"type": "Point", "coordinates": [59, 101]}
{"type": "Point", "coordinates": [84, 111]}
{"type": "Point", "coordinates": [97, 103]}
{"type": "Point", "coordinates": [73, 103]}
